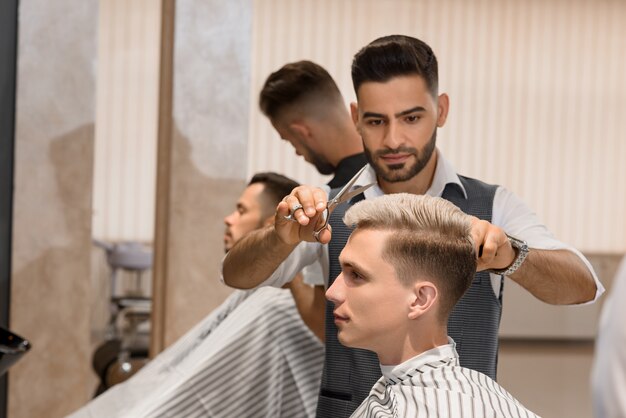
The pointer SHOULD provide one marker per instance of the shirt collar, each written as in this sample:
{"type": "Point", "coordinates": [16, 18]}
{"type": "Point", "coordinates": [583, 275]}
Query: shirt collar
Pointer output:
{"type": "Point", "coordinates": [444, 174]}
{"type": "Point", "coordinates": [435, 357]}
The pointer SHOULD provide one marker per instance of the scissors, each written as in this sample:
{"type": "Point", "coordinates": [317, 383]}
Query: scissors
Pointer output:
{"type": "Point", "coordinates": [344, 195]}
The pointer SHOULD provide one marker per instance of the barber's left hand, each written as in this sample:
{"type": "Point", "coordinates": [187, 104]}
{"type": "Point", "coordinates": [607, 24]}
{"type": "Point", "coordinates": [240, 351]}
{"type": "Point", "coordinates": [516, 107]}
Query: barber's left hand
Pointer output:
{"type": "Point", "coordinates": [493, 248]}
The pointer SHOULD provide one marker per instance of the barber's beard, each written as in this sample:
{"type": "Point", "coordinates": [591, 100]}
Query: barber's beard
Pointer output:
{"type": "Point", "coordinates": [320, 163]}
{"type": "Point", "coordinates": [324, 168]}
{"type": "Point", "coordinates": [401, 172]}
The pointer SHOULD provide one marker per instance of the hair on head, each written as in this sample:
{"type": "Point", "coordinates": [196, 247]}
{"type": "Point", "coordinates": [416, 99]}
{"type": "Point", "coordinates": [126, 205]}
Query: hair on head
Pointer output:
{"type": "Point", "coordinates": [393, 56]}
{"type": "Point", "coordinates": [276, 186]}
{"type": "Point", "coordinates": [429, 238]}
{"type": "Point", "coordinates": [297, 83]}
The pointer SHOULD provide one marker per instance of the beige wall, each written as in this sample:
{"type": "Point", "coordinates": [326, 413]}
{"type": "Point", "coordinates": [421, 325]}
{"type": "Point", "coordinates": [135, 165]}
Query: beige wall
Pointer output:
{"type": "Point", "coordinates": [52, 295]}
{"type": "Point", "coordinates": [52, 207]}
{"type": "Point", "coordinates": [524, 316]}
{"type": "Point", "coordinates": [536, 91]}
{"type": "Point", "coordinates": [208, 141]}
{"type": "Point", "coordinates": [209, 144]}
{"type": "Point", "coordinates": [207, 151]}
{"type": "Point", "coordinates": [127, 113]}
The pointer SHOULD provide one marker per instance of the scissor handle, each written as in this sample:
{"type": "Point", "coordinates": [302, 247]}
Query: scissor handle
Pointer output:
{"type": "Point", "coordinates": [317, 232]}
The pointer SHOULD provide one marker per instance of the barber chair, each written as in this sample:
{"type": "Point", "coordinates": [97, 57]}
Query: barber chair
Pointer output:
{"type": "Point", "coordinates": [12, 348]}
{"type": "Point", "coordinates": [125, 349]}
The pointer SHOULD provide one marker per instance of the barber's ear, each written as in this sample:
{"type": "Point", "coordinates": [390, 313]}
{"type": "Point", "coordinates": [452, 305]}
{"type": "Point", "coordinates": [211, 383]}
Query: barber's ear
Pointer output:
{"type": "Point", "coordinates": [301, 129]}
{"type": "Point", "coordinates": [443, 105]}
{"type": "Point", "coordinates": [354, 112]}
{"type": "Point", "coordinates": [425, 294]}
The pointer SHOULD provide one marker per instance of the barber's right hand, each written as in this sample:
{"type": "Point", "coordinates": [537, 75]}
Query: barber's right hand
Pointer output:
{"type": "Point", "coordinates": [306, 220]}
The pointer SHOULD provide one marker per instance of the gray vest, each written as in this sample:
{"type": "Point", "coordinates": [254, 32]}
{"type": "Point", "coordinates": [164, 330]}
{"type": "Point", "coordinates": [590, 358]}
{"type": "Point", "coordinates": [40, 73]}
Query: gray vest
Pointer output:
{"type": "Point", "coordinates": [350, 373]}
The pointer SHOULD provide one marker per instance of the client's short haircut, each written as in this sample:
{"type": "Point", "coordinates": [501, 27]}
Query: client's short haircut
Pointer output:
{"type": "Point", "coordinates": [276, 186]}
{"type": "Point", "coordinates": [301, 83]}
{"type": "Point", "coordinates": [431, 238]}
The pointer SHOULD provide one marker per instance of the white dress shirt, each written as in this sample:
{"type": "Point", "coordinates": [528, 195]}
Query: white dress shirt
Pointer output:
{"type": "Point", "coordinates": [509, 213]}
{"type": "Point", "coordinates": [433, 384]}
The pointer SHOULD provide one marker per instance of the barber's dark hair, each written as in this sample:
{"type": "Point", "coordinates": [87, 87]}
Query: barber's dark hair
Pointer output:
{"type": "Point", "coordinates": [392, 56]}
{"type": "Point", "coordinates": [276, 187]}
{"type": "Point", "coordinates": [293, 83]}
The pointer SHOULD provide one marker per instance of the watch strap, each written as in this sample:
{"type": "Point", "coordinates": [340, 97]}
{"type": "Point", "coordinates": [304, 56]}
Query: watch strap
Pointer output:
{"type": "Point", "coordinates": [521, 250]}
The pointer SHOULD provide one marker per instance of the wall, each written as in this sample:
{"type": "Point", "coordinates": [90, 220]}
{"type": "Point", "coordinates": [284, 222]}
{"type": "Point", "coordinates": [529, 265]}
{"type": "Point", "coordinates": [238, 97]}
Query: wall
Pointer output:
{"type": "Point", "coordinates": [52, 206]}
{"type": "Point", "coordinates": [536, 94]}
{"type": "Point", "coordinates": [127, 103]}
{"type": "Point", "coordinates": [206, 152]}
{"type": "Point", "coordinates": [524, 316]}
{"type": "Point", "coordinates": [127, 114]}
{"type": "Point", "coordinates": [208, 160]}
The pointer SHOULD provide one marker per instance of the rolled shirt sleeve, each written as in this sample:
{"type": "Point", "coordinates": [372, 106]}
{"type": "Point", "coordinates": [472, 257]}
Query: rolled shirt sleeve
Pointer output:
{"type": "Point", "coordinates": [516, 218]}
{"type": "Point", "coordinates": [305, 254]}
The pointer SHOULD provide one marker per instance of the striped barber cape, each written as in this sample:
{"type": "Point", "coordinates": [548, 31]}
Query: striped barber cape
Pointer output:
{"type": "Point", "coordinates": [433, 384]}
{"type": "Point", "coordinates": [251, 357]}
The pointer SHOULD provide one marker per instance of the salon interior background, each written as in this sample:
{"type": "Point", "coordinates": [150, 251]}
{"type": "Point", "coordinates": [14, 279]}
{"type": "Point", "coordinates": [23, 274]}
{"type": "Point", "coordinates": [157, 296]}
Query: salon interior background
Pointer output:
{"type": "Point", "coordinates": [537, 99]}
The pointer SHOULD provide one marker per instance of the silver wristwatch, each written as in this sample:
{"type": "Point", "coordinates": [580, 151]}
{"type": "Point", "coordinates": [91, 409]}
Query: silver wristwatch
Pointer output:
{"type": "Point", "coordinates": [521, 249]}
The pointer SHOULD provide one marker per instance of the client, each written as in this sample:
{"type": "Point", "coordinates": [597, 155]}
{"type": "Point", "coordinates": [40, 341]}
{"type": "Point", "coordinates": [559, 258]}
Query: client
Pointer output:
{"type": "Point", "coordinates": [405, 266]}
{"type": "Point", "coordinates": [253, 356]}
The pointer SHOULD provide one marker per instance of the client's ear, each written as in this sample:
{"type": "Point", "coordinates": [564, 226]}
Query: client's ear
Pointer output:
{"type": "Point", "coordinates": [425, 295]}
{"type": "Point", "coordinates": [269, 220]}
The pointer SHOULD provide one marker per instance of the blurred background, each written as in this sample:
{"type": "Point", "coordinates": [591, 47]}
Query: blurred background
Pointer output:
{"type": "Point", "coordinates": [137, 122]}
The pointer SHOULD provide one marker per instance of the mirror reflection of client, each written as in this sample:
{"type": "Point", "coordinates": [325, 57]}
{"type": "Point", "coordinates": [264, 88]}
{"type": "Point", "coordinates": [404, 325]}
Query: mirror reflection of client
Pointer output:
{"type": "Point", "coordinates": [253, 356]}
{"type": "Point", "coordinates": [407, 263]}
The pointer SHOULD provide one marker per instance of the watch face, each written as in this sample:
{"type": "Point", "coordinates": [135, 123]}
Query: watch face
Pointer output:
{"type": "Point", "coordinates": [523, 247]}
{"type": "Point", "coordinates": [518, 243]}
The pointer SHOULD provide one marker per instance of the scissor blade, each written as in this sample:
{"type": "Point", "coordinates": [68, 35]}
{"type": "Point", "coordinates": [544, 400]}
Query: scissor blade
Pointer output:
{"type": "Point", "coordinates": [348, 185]}
{"type": "Point", "coordinates": [351, 194]}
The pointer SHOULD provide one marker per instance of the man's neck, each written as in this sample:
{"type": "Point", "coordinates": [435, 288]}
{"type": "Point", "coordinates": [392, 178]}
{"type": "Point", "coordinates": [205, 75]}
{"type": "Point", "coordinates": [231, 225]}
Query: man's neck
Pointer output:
{"type": "Point", "coordinates": [346, 142]}
{"type": "Point", "coordinates": [418, 184]}
{"type": "Point", "coordinates": [414, 345]}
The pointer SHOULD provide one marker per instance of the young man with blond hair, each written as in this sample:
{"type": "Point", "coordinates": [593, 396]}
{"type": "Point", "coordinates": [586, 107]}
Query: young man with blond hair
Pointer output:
{"type": "Point", "coordinates": [408, 261]}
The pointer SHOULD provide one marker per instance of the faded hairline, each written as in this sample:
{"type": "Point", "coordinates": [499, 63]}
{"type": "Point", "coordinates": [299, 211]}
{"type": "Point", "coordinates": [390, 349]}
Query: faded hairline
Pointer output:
{"type": "Point", "coordinates": [316, 105]}
{"type": "Point", "coordinates": [429, 238]}
{"type": "Point", "coordinates": [302, 84]}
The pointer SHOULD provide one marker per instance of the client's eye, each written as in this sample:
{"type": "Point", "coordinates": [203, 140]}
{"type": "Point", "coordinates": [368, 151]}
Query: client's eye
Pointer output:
{"type": "Point", "coordinates": [355, 276]}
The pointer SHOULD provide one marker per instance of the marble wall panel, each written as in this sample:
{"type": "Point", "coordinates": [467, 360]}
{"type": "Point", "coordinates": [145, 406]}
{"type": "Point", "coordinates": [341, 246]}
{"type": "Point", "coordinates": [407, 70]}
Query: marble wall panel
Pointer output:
{"type": "Point", "coordinates": [52, 206]}
{"type": "Point", "coordinates": [210, 134]}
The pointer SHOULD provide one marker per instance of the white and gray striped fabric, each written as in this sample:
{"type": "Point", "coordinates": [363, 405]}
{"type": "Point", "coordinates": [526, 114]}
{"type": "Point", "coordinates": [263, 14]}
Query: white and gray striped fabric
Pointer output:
{"type": "Point", "coordinates": [434, 385]}
{"type": "Point", "coordinates": [251, 357]}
